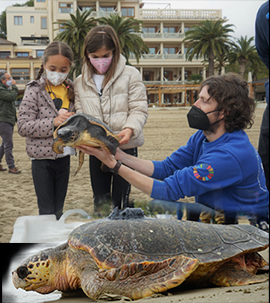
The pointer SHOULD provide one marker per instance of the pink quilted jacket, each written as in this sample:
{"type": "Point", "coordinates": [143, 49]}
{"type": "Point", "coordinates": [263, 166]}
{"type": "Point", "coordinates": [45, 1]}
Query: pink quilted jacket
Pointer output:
{"type": "Point", "coordinates": [35, 120]}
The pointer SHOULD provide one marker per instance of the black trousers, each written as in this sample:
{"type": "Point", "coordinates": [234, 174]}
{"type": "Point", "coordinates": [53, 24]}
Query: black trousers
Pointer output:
{"type": "Point", "coordinates": [108, 186]}
{"type": "Point", "coordinates": [263, 147]}
{"type": "Point", "coordinates": [51, 182]}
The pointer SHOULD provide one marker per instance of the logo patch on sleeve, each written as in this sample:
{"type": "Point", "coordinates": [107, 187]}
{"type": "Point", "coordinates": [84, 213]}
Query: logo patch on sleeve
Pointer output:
{"type": "Point", "coordinates": [203, 172]}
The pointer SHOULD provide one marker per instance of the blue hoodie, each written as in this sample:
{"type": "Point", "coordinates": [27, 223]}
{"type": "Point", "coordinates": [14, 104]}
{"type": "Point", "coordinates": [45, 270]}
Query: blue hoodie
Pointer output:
{"type": "Point", "coordinates": [224, 174]}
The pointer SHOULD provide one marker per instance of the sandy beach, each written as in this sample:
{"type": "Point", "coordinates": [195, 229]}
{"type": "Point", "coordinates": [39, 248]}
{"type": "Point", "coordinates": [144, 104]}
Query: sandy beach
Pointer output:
{"type": "Point", "coordinates": [165, 131]}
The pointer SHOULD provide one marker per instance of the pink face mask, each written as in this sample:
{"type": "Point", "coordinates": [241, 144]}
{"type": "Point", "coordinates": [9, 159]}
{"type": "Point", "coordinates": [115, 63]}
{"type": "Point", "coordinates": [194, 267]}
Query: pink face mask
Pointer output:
{"type": "Point", "coordinates": [101, 64]}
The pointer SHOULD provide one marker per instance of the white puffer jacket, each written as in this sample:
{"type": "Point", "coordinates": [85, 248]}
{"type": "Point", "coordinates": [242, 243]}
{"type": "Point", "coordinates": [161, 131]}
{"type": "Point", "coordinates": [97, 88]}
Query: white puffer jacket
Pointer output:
{"type": "Point", "coordinates": [123, 103]}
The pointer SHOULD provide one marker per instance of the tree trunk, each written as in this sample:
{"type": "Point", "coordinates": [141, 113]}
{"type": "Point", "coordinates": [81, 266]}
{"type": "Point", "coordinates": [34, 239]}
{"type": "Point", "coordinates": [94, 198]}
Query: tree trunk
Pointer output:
{"type": "Point", "coordinates": [242, 68]}
{"type": "Point", "coordinates": [211, 62]}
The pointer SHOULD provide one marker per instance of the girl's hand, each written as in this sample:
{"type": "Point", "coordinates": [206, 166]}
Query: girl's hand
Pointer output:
{"type": "Point", "coordinates": [61, 118]}
{"type": "Point", "coordinates": [126, 135]}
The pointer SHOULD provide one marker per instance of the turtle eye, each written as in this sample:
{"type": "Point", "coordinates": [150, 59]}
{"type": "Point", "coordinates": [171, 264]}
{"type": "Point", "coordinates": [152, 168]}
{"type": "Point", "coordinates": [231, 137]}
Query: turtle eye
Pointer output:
{"type": "Point", "coordinates": [22, 272]}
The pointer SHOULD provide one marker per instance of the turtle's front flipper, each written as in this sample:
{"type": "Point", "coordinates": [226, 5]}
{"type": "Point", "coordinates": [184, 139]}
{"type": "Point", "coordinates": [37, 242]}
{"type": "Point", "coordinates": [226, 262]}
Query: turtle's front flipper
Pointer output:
{"type": "Point", "coordinates": [233, 274]}
{"type": "Point", "coordinates": [58, 146]}
{"type": "Point", "coordinates": [81, 160]}
{"type": "Point", "coordinates": [139, 280]}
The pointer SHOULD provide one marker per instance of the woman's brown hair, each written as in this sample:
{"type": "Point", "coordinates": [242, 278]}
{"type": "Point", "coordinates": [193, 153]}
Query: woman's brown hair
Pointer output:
{"type": "Point", "coordinates": [58, 48]}
{"type": "Point", "coordinates": [99, 36]}
{"type": "Point", "coordinates": [232, 95]}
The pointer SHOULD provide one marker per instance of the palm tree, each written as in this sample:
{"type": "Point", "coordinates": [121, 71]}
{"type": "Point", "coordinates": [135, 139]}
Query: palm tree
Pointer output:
{"type": "Point", "coordinates": [126, 29]}
{"type": "Point", "coordinates": [74, 33]}
{"type": "Point", "coordinates": [208, 39]}
{"type": "Point", "coordinates": [243, 52]}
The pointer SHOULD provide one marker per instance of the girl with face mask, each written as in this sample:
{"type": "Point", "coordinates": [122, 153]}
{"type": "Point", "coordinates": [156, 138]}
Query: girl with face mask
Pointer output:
{"type": "Point", "coordinates": [114, 93]}
{"type": "Point", "coordinates": [48, 101]}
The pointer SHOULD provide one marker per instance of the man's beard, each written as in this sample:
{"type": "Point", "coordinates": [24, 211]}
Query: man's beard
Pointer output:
{"type": "Point", "coordinates": [213, 128]}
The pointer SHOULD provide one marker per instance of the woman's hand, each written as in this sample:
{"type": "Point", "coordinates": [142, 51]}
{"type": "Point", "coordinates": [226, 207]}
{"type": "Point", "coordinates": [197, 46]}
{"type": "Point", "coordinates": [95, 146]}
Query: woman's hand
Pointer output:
{"type": "Point", "coordinates": [125, 134]}
{"type": "Point", "coordinates": [61, 118]}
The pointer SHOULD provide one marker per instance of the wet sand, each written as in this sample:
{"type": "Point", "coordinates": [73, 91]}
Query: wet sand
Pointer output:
{"type": "Point", "coordinates": [165, 131]}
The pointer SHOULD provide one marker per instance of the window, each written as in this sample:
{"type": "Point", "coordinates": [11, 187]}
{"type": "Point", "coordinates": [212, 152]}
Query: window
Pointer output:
{"type": "Point", "coordinates": [65, 8]}
{"type": "Point", "coordinates": [150, 30]}
{"type": "Point", "coordinates": [22, 55]}
{"type": "Point", "coordinates": [40, 53]}
{"type": "Point", "coordinates": [32, 19]}
{"type": "Point", "coordinates": [152, 50]}
{"type": "Point", "coordinates": [169, 50]}
{"type": "Point", "coordinates": [85, 8]}
{"type": "Point", "coordinates": [107, 8]}
{"type": "Point", "coordinates": [128, 11]}
{"type": "Point", "coordinates": [20, 73]}
{"type": "Point", "coordinates": [43, 22]}
{"type": "Point", "coordinates": [4, 54]}
{"type": "Point", "coordinates": [170, 30]}
{"type": "Point", "coordinates": [17, 20]}
{"type": "Point", "coordinates": [40, 0]}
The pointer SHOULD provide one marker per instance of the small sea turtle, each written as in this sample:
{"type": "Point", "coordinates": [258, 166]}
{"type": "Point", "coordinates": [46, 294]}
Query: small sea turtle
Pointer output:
{"type": "Point", "coordinates": [140, 256]}
{"type": "Point", "coordinates": [84, 129]}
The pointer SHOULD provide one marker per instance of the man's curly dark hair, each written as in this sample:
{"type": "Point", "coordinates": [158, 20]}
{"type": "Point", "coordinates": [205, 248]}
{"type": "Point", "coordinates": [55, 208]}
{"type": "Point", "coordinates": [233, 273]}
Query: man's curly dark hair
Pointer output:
{"type": "Point", "coordinates": [231, 93]}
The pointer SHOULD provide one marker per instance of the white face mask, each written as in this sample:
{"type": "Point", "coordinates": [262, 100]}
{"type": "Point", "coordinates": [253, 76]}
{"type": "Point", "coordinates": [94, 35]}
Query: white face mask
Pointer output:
{"type": "Point", "coordinates": [55, 78]}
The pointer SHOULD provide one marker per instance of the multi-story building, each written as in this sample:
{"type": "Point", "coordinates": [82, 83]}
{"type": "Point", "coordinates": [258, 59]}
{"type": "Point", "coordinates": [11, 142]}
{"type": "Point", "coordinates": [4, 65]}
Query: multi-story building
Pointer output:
{"type": "Point", "coordinates": [164, 70]}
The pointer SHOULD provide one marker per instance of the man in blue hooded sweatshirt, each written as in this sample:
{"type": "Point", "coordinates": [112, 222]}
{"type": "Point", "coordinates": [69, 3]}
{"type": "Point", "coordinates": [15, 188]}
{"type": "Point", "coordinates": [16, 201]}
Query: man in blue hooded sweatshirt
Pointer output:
{"type": "Point", "coordinates": [218, 165]}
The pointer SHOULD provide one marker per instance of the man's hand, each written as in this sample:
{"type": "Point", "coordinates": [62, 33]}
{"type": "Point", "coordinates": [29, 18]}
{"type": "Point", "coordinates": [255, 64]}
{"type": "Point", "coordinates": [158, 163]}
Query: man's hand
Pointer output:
{"type": "Point", "coordinates": [13, 82]}
{"type": "Point", "coordinates": [101, 153]}
{"type": "Point", "coordinates": [61, 118]}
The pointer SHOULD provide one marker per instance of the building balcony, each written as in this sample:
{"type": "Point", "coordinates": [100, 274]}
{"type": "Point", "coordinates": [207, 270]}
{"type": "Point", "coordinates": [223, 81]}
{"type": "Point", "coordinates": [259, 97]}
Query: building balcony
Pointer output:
{"type": "Point", "coordinates": [194, 14]}
{"type": "Point", "coordinates": [179, 57]}
{"type": "Point", "coordinates": [101, 14]}
{"type": "Point", "coordinates": [161, 35]}
{"type": "Point", "coordinates": [35, 41]}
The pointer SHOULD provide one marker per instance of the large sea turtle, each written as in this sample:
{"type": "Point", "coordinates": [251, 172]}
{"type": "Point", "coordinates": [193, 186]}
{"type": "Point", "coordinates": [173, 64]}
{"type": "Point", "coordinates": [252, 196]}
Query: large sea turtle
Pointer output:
{"type": "Point", "coordinates": [84, 129]}
{"type": "Point", "coordinates": [140, 256]}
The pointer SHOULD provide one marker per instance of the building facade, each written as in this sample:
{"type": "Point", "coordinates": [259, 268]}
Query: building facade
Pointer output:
{"type": "Point", "coordinates": [165, 70]}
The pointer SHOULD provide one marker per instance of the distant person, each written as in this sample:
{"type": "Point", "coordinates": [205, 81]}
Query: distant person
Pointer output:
{"type": "Point", "coordinates": [218, 165]}
{"type": "Point", "coordinates": [114, 93]}
{"type": "Point", "coordinates": [262, 45]}
{"type": "Point", "coordinates": [47, 102]}
{"type": "Point", "coordinates": [8, 118]}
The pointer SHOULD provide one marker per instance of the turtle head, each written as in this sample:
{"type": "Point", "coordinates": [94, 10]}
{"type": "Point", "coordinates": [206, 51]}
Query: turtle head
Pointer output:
{"type": "Point", "coordinates": [41, 271]}
{"type": "Point", "coordinates": [69, 132]}
{"type": "Point", "coordinates": [68, 135]}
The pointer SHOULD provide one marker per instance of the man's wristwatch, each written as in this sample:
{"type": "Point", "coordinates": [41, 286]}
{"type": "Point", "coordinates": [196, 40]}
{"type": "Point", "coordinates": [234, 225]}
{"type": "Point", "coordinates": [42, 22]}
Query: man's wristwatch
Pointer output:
{"type": "Point", "coordinates": [116, 168]}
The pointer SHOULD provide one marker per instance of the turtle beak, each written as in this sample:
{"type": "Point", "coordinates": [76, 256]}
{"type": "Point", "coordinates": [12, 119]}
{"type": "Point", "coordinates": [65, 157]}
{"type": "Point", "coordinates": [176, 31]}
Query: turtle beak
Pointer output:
{"type": "Point", "coordinates": [18, 282]}
{"type": "Point", "coordinates": [67, 135]}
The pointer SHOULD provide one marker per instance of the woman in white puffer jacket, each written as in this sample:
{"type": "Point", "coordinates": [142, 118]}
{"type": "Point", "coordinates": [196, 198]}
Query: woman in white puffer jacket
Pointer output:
{"type": "Point", "coordinates": [114, 93]}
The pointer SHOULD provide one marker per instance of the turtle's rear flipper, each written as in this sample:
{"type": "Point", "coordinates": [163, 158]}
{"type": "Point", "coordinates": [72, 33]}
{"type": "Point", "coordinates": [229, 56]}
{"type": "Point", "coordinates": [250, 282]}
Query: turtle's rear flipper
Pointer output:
{"type": "Point", "coordinates": [81, 160]}
{"type": "Point", "coordinates": [139, 280]}
{"type": "Point", "coordinates": [232, 274]}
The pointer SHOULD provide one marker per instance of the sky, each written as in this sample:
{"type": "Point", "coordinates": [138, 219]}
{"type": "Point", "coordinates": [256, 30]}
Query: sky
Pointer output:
{"type": "Point", "coordinates": [241, 13]}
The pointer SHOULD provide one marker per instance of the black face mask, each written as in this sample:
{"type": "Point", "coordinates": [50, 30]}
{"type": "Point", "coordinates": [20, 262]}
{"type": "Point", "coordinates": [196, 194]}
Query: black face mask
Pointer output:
{"type": "Point", "coordinates": [198, 119]}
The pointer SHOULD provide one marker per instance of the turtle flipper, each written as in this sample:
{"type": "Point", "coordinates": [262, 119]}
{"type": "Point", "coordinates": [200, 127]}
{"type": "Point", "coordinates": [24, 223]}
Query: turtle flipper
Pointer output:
{"type": "Point", "coordinates": [58, 146]}
{"type": "Point", "coordinates": [81, 160]}
{"type": "Point", "coordinates": [233, 274]}
{"type": "Point", "coordinates": [139, 280]}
